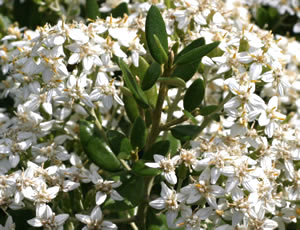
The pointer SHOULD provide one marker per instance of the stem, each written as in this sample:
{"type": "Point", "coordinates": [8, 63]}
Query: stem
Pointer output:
{"type": "Point", "coordinates": [142, 211]}
{"type": "Point", "coordinates": [156, 116]}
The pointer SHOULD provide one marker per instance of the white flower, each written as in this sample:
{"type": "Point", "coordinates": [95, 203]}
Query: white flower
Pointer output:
{"type": "Point", "coordinates": [193, 220]}
{"type": "Point", "coordinates": [95, 221]}
{"type": "Point", "coordinates": [168, 201]}
{"type": "Point", "coordinates": [105, 91]}
{"type": "Point", "coordinates": [193, 192]}
{"type": "Point", "coordinates": [270, 116]}
{"type": "Point", "coordinates": [105, 188]}
{"type": "Point", "coordinates": [245, 97]}
{"type": "Point", "coordinates": [167, 165]}
{"type": "Point", "coordinates": [47, 219]}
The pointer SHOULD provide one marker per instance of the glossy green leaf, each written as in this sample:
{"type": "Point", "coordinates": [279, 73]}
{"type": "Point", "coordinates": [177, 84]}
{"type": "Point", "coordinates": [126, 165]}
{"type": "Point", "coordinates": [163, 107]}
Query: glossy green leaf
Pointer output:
{"type": "Point", "coordinates": [152, 95]}
{"type": "Point", "coordinates": [138, 133]}
{"type": "Point", "coordinates": [131, 83]}
{"type": "Point", "coordinates": [141, 70]}
{"type": "Point", "coordinates": [132, 189]}
{"type": "Point", "coordinates": [193, 45]}
{"type": "Point", "coordinates": [86, 131]}
{"type": "Point", "coordinates": [185, 132]}
{"type": "Point", "coordinates": [155, 25]}
{"type": "Point", "coordinates": [100, 153]}
{"type": "Point", "coordinates": [151, 76]}
{"type": "Point", "coordinates": [195, 55]}
{"type": "Point", "coordinates": [120, 10]}
{"type": "Point", "coordinates": [194, 95]}
{"type": "Point", "coordinates": [131, 107]}
{"type": "Point", "coordinates": [92, 9]}
{"type": "Point", "coordinates": [161, 50]}
{"type": "Point", "coordinates": [172, 81]}
{"type": "Point", "coordinates": [207, 110]}
{"type": "Point", "coordinates": [160, 147]}
{"type": "Point", "coordinates": [118, 142]}
{"type": "Point", "coordinates": [96, 149]}
{"type": "Point", "coordinates": [186, 71]}
{"type": "Point", "coordinates": [139, 168]}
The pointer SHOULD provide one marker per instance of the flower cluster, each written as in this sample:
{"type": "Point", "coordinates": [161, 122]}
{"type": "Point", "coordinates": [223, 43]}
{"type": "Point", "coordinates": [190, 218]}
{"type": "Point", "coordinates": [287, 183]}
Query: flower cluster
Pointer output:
{"type": "Point", "coordinates": [240, 170]}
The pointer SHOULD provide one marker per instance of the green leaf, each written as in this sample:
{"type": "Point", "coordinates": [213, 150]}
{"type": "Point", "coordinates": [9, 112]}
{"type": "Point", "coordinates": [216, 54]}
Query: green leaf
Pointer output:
{"type": "Point", "coordinates": [92, 9]}
{"type": "Point", "coordinates": [172, 81]}
{"type": "Point", "coordinates": [160, 48]}
{"type": "Point", "coordinates": [262, 16]}
{"type": "Point", "coordinates": [100, 153]}
{"type": "Point", "coordinates": [131, 107]}
{"type": "Point", "coordinates": [185, 132]}
{"type": "Point", "coordinates": [151, 76]}
{"type": "Point", "coordinates": [194, 95]}
{"type": "Point", "coordinates": [118, 142]}
{"type": "Point", "coordinates": [186, 71]}
{"type": "Point", "coordinates": [190, 117]}
{"type": "Point", "coordinates": [120, 10]}
{"type": "Point", "coordinates": [131, 83]}
{"type": "Point", "coordinates": [138, 133]}
{"type": "Point", "coordinates": [139, 168]}
{"type": "Point", "coordinates": [86, 131]}
{"type": "Point", "coordinates": [196, 54]}
{"type": "Point", "coordinates": [160, 147]}
{"type": "Point", "coordinates": [96, 149]}
{"type": "Point", "coordinates": [207, 110]}
{"type": "Point", "coordinates": [132, 189]}
{"type": "Point", "coordinates": [141, 70]}
{"type": "Point", "coordinates": [155, 25]}
{"type": "Point", "coordinates": [193, 45]}
{"type": "Point", "coordinates": [152, 95]}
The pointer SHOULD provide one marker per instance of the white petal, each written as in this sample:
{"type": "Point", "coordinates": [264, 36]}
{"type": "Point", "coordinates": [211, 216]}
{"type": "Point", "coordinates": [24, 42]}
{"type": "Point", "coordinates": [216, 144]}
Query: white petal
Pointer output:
{"type": "Point", "coordinates": [116, 196]}
{"type": "Point", "coordinates": [100, 197]}
{"type": "Point", "coordinates": [96, 214]}
{"type": "Point", "coordinates": [232, 103]}
{"type": "Point", "coordinates": [35, 222]}
{"type": "Point", "coordinates": [83, 218]}
{"type": "Point", "coordinates": [78, 35]}
{"type": "Point", "coordinates": [60, 219]}
{"type": "Point", "coordinates": [255, 71]}
{"type": "Point", "coordinates": [263, 119]}
{"type": "Point", "coordinates": [171, 177]}
{"type": "Point", "coordinates": [74, 58]}
{"type": "Point", "coordinates": [159, 203]}
{"type": "Point", "coordinates": [273, 103]}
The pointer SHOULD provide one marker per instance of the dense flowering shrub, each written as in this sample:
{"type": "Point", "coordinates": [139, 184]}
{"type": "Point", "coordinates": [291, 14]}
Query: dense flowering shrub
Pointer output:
{"type": "Point", "coordinates": [156, 115]}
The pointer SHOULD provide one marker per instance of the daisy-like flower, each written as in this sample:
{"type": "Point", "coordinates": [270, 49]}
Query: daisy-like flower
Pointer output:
{"type": "Point", "coordinates": [168, 201]}
{"type": "Point", "coordinates": [167, 165]}
{"type": "Point", "coordinates": [245, 97]}
{"type": "Point", "coordinates": [95, 221]}
{"type": "Point", "coordinates": [189, 158]}
{"type": "Point", "coordinates": [105, 188]}
{"type": "Point", "coordinates": [105, 91]}
{"type": "Point", "coordinates": [47, 219]}
{"type": "Point", "coordinates": [193, 192]}
{"type": "Point", "coordinates": [193, 220]}
{"type": "Point", "coordinates": [270, 116]}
